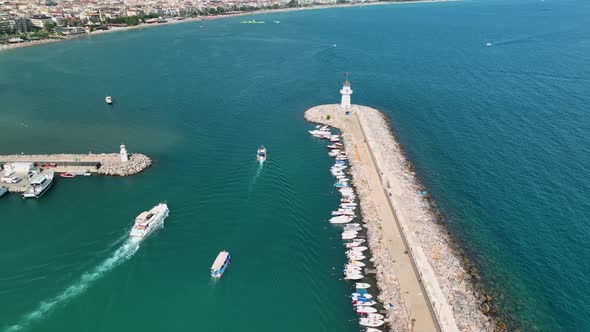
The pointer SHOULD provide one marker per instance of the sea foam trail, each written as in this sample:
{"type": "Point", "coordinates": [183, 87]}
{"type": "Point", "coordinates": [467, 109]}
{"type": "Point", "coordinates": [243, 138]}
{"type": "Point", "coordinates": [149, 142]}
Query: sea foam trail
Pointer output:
{"type": "Point", "coordinates": [123, 253]}
{"type": "Point", "coordinates": [258, 172]}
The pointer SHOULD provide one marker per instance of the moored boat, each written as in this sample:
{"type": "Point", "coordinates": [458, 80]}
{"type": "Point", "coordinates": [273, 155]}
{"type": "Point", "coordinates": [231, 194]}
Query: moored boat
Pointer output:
{"type": "Point", "coordinates": [371, 322]}
{"type": "Point", "coordinates": [67, 175]}
{"type": "Point", "coordinates": [220, 264]}
{"type": "Point", "coordinates": [365, 310]}
{"type": "Point", "coordinates": [108, 100]}
{"type": "Point", "coordinates": [362, 285]}
{"type": "Point", "coordinates": [147, 221]}
{"type": "Point", "coordinates": [39, 185]}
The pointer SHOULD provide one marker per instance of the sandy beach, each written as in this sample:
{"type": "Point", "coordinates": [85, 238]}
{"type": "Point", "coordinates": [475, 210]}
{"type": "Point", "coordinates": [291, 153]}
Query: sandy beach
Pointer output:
{"type": "Point", "coordinates": [7, 47]}
{"type": "Point", "coordinates": [419, 270]}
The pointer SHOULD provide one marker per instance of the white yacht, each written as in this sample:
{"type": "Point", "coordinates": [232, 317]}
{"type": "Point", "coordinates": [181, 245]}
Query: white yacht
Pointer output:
{"type": "Point", "coordinates": [39, 185]}
{"type": "Point", "coordinates": [147, 221]}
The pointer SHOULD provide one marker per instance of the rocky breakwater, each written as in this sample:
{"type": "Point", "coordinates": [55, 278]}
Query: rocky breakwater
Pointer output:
{"type": "Point", "coordinates": [451, 292]}
{"type": "Point", "coordinates": [112, 164]}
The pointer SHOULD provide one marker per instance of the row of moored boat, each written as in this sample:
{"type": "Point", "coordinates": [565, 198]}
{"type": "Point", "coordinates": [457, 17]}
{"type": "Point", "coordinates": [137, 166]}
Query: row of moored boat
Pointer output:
{"type": "Point", "coordinates": [355, 243]}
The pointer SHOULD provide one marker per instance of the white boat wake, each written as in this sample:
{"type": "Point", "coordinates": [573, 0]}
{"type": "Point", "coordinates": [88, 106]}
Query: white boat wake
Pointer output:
{"type": "Point", "coordinates": [123, 253]}
{"type": "Point", "coordinates": [258, 172]}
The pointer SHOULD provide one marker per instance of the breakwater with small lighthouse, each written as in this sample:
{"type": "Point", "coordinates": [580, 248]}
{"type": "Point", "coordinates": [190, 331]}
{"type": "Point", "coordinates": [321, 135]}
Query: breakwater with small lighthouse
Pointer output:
{"type": "Point", "coordinates": [420, 275]}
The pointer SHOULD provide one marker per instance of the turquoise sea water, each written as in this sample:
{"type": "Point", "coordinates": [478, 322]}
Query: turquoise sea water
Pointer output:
{"type": "Point", "coordinates": [499, 135]}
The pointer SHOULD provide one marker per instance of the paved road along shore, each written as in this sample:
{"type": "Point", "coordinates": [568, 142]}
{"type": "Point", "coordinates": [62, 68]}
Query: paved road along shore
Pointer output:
{"type": "Point", "coordinates": [419, 272]}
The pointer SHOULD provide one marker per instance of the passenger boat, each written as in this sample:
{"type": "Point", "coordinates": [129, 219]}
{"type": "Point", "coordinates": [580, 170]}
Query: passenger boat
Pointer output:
{"type": "Point", "coordinates": [3, 190]}
{"type": "Point", "coordinates": [361, 285]}
{"type": "Point", "coordinates": [147, 221]}
{"type": "Point", "coordinates": [371, 322]}
{"type": "Point", "coordinates": [67, 175]}
{"type": "Point", "coordinates": [39, 185]}
{"type": "Point", "coordinates": [261, 155]}
{"type": "Point", "coordinates": [220, 264]}
{"type": "Point", "coordinates": [108, 100]}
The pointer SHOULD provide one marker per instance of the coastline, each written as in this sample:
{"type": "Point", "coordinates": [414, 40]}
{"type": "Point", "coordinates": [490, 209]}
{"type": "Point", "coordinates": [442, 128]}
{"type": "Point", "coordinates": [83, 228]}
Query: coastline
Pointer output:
{"type": "Point", "coordinates": [8, 47]}
{"type": "Point", "coordinates": [436, 262]}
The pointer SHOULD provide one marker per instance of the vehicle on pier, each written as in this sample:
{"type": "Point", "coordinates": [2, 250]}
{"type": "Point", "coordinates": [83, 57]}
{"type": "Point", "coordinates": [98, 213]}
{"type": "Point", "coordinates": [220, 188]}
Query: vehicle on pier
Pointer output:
{"type": "Point", "coordinates": [220, 264]}
{"type": "Point", "coordinates": [39, 185]}
{"type": "Point", "coordinates": [148, 221]}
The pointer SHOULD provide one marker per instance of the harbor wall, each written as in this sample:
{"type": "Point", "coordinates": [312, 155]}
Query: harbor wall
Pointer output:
{"type": "Point", "coordinates": [453, 299]}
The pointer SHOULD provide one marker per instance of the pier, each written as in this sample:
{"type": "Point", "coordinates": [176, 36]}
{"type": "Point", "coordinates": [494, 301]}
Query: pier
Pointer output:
{"type": "Point", "coordinates": [111, 164]}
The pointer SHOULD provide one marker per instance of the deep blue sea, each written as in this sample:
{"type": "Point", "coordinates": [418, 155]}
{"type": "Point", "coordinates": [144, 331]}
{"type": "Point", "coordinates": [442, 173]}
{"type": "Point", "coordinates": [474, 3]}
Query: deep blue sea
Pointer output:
{"type": "Point", "coordinates": [499, 135]}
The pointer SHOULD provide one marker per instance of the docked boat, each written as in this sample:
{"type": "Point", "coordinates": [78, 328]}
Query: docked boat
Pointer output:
{"type": "Point", "coordinates": [361, 285]}
{"type": "Point", "coordinates": [349, 235]}
{"type": "Point", "coordinates": [370, 329]}
{"type": "Point", "coordinates": [356, 263]}
{"type": "Point", "coordinates": [67, 175]}
{"type": "Point", "coordinates": [261, 155]}
{"type": "Point", "coordinates": [39, 185]}
{"type": "Point", "coordinates": [365, 310]}
{"type": "Point", "coordinates": [359, 249]}
{"type": "Point", "coordinates": [353, 276]}
{"type": "Point", "coordinates": [108, 100]}
{"type": "Point", "coordinates": [3, 190]}
{"type": "Point", "coordinates": [340, 220]}
{"type": "Point", "coordinates": [148, 221]}
{"type": "Point", "coordinates": [359, 240]}
{"type": "Point", "coordinates": [363, 303]}
{"type": "Point", "coordinates": [375, 316]}
{"type": "Point", "coordinates": [371, 322]}
{"type": "Point", "coordinates": [220, 264]}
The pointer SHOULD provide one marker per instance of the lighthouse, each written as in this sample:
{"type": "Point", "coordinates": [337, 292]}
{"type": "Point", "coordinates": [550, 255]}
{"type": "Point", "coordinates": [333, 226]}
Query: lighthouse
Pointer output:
{"type": "Point", "coordinates": [346, 91]}
{"type": "Point", "coordinates": [124, 154]}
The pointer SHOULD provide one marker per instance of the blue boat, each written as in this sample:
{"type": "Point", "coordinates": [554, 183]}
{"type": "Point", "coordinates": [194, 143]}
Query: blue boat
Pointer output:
{"type": "Point", "coordinates": [220, 265]}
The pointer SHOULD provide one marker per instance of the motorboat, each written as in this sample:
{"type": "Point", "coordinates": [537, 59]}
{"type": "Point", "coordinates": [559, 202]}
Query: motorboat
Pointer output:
{"type": "Point", "coordinates": [349, 235]}
{"type": "Point", "coordinates": [340, 220]}
{"type": "Point", "coordinates": [353, 276]}
{"type": "Point", "coordinates": [147, 221]}
{"type": "Point", "coordinates": [375, 316]}
{"type": "Point", "coordinates": [359, 249]}
{"type": "Point", "coordinates": [364, 303]}
{"type": "Point", "coordinates": [371, 322]}
{"type": "Point", "coordinates": [356, 257]}
{"type": "Point", "coordinates": [365, 310]}
{"type": "Point", "coordinates": [357, 296]}
{"type": "Point", "coordinates": [351, 245]}
{"type": "Point", "coordinates": [488, 44]}
{"type": "Point", "coordinates": [359, 240]}
{"type": "Point", "coordinates": [361, 285]}
{"type": "Point", "coordinates": [261, 154]}
{"type": "Point", "coordinates": [39, 185]}
{"type": "Point", "coordinates": [370, 329]}
{"type": "Point", "coordinates": [356, 263]}
{"type": "Point", "coordinates": [334, 153]}
{"type": "Point", "coordinates": [340, 184]}
{"type": "Point", "coordinates": [108, 100]}
{"type": "Point", "coordinates": [220, 264]}
{"type": "Point", "coordinates": [333, 147]}
{"type": "Point", "coordinates": [67, 175]}
{"type": "Point", "coordinates": [3, 190]}
{"type": "Point", "coordinates": [353, 229]}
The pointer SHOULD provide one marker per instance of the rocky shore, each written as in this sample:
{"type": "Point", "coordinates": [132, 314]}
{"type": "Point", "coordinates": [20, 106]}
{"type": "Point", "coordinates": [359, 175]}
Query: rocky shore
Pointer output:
{"type": "Point", "coordinates": [452, 295]}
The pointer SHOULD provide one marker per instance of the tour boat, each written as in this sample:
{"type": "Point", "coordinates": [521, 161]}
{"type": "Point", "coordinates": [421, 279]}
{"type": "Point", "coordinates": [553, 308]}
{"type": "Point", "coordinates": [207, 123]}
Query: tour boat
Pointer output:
{"type": "Point", "coordinates": [361, 285]}
{"type": "Point", "coordinates": [3, 191]}
{"type": "Point", "coordinates": [67, 175]}
{"type": "Point", "coordinates": [365, 310]}
{"type": "Point", "coordinates": [371, 322]}
{"type": "Point", "coordinates": [261, 155]}
{"type": "Point", "coordinates": [220, 264]}
{"type": "Point", "coordinates": [148, 221]}
{"type": "Point", "coordinates": [108, 100]}
{"type": "Point", "coordinates": [39, 185]}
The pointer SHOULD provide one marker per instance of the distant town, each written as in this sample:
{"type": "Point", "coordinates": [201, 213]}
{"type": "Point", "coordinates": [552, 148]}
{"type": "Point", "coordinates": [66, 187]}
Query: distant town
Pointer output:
{"type": "Point", "coordinates": [33, 20]}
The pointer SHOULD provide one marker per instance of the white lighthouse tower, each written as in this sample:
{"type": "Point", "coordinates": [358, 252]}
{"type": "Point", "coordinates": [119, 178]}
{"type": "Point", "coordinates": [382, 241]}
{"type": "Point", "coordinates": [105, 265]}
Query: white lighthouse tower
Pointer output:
{"type": "Point", "coordinates": [124, 154]}
{"type": "Point", "coordinates": [346, 91]}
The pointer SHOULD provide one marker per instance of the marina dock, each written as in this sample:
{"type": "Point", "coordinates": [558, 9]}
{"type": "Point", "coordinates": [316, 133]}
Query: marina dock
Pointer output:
{"type": "Point", "coordinates": [111, 164]}
{"type": "Point", "coordinates": [419, 275]}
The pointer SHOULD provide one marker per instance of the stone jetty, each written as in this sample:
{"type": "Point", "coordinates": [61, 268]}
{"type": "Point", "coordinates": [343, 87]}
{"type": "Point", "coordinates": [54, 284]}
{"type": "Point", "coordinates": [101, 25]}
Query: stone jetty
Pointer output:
{"type": "Point", "coordinates": [423, 282]}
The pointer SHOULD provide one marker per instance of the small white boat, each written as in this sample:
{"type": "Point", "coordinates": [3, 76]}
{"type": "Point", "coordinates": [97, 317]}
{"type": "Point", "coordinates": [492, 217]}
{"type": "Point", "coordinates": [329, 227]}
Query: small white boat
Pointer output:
{"type": "Point", "coordinates": [365, 310]}
{"type": "Point", "coordinates": [353, 229]}
{"type": "Point", "coordinates": [370, 329]}
{"type": "Point", "coordinates": [361, 285]}
{"type": "Point", "coordinates": [357, 295]}
{"type": "Point", "coordinates": [340, 220]}
{"type": "Point", "coordinates": [371, 322]}
{"type": "Point", "coordinates": [356, 257]}
{"type": "Point", "coordinates": [352, 244]}
{"type": "Point", "coordinates": [356, 263]}
{"type": "Point", "coordinates": [349, 235]}
{"type": "Point", "coordinates": [363, 303]}
{"type": "Point", "coordinates": [261, 154]}
{"type": "Point", "coordinates": [334, 153]}
{"type": "Point", "coordinates": [375, 316]}
{"type": "Point", "coordinates": [359, 249]}
{"type": "Point", "coordinates": [488, 44]}
{"type": "Point", "coordinates": [108, 100]}
{"type": "Point", "coordinates": [353, 276]}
